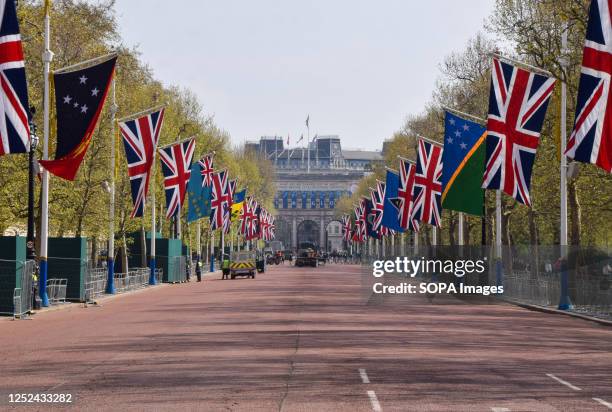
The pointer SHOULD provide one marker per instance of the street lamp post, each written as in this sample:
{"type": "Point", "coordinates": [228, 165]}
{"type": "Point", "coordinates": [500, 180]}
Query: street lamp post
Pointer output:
{"type": "Point", "coordinates": [31, 250]}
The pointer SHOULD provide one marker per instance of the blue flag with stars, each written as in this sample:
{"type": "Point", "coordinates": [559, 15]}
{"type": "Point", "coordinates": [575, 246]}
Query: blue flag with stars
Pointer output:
{"type": "Point", "coordinates": [463, 163]}
{"type": "Point", "coordinates": [199, 197]}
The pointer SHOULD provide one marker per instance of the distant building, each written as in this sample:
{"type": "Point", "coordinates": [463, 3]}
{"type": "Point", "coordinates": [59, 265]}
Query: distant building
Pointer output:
{"type": "Point", "coordinates": [306, 196]}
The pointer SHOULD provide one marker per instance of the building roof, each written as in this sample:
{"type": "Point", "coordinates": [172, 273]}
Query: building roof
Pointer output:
{"type": "Point", "coordinates": [361, 155]}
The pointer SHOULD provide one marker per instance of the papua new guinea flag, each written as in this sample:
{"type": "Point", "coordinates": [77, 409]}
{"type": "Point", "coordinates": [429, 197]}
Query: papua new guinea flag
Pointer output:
{"type": "Point", "coordinates": [79, 98]}
{"type": "Point", "coordinates": [390, 217]}
{"type": "Point", "coordinates": [463, 162]}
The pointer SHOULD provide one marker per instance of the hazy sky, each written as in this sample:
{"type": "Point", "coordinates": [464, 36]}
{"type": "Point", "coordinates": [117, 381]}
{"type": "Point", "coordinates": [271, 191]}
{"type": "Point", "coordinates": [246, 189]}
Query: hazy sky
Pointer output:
{"type": "Point", "coordinates": [261, 66]}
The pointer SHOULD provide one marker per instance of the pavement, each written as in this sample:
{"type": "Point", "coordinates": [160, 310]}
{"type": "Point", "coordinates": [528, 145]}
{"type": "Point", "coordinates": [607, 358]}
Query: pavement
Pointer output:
{"type": "Point", "coordinates": [304, 339]}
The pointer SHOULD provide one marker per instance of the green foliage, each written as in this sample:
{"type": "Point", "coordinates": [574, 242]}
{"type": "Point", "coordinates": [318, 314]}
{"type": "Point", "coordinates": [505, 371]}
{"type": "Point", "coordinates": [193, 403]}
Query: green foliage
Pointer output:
{"type": "Point", "coordinates": [81, 30]}
{"type": "Point", "coordinates": [532, 30]}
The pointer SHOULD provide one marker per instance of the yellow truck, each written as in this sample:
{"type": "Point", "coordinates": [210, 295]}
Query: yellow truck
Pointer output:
{"type": "Point", "coordinates": [242, 263]}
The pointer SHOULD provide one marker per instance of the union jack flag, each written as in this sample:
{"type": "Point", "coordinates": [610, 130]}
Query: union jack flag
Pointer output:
{"type": "Point", "coordinates": [227, 215]}
{"type": "Point", "coordinates": [220, 200]}
{"type": "Point", "coordinates": [378, 197]}
{"type": "Point", "coordinates": [517, 106]}
{"type": "Point", "coordinates": [206, 164]}
{"type": "Point", "coordinates": [591, 139]}
{"type": "Point", "coordinates": [140, 137]}
{"type": "Point", "coordinates": [271, 228]}
{"type": "Point", "coordinates": [254, 229]}
{"type": "Point", "coordinates": [265, 224]}
{"type": "Point", "coordinates": [14, 107]}
{"type": "Point", "coordinates": [246, 216]}
{"type": "Point", "coordinates": [427, 188]}
{"type": "Point", "coordinates": [404, 201]}
{"type": "Point", "coordinates": [346, 228]}
{"type": "Point", "coordinates": [360, 221]}
{"type": "Point", "coordinates": [176, 166]}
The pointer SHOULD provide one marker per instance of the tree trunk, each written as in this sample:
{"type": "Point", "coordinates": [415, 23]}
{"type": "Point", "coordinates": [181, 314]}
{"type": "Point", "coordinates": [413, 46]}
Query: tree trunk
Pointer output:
{"type": "Point", "coordinates": [452, 225]}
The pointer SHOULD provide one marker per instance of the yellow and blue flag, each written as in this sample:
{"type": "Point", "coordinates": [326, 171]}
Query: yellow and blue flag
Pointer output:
{"type": "Point", "coordinates": [238, 203]}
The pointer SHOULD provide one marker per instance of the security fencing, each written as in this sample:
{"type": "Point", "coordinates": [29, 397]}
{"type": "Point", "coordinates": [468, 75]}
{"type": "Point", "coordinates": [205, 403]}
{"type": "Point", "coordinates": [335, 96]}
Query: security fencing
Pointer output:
{"type": "Point", "coordinates": [56, 290]}
{"type": "Point", "coordinates": [529, 274]}
{"type": "Point", "coordinates": [137, 278]}
{"type": "Point", "coordinates": [159, 275]}
{"type": "Point", "coordinates": [16, 288]}
{"type": "Point", "coordinates": [95, 283]}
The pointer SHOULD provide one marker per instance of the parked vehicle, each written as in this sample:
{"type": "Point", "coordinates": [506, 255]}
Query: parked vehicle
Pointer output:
{"type": "Point", "coordinates": [306, 257]}
{"type": "Point", "coordinates": [242, 263]}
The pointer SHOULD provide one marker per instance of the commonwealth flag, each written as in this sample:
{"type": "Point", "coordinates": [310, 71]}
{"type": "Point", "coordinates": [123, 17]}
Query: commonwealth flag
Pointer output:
{"type": "Point", "coordinates": [390, 217]}
{"type": "Point", "coordinates": [199, 197]}
{"type": "Point", "coordinates": [463, 162]}
{"type": "Point", "coordinates": [79, 98]}
{"type": "Point", "coordinates": [238, 203]}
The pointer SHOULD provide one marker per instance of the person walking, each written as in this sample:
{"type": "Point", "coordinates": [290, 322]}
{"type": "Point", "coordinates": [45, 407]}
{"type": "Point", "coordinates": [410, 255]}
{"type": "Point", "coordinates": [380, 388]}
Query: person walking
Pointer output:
{"type": "Point", "coordinates": [199, 270]}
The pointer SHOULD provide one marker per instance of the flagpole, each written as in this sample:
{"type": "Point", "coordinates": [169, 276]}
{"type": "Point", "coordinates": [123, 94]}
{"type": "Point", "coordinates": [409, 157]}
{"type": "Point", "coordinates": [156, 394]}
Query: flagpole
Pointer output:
{"type": "Point", "coordinates": [461, 224]}
{"type": "Point", "coordinates": [199, 239]}
{"type": "Point", "coordinates": [47, 57]}
{"type": "Point", "coordinates": [308, 144]}
{"type": "Point", "coordinates": [110, 281]}
{"type": "Point", "coordinates": [212, 251]}
{"type": "Point", "coordinates": [152, 262]}
{"type": "Point", "coordinates": [564, 301]}
{"type": "Point", "coordinates": [498, 237]}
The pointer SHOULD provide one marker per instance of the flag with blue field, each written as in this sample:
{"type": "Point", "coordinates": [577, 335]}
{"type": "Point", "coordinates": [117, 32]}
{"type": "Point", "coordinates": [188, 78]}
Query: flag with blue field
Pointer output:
{"type": "Point", "coordinates": [463, 162]}
{"type": "Point", "coordinates": [390, 217]}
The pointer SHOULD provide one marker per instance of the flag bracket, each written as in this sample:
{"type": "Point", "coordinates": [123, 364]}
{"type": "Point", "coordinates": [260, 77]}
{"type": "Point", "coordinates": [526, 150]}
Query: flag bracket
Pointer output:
{"type": "Point", "coordinates": [428, 140]}
{"type": "Point", "coordinates": [524, 65]}
{"type": "Point", "coordinates": [468, 116]}
{"type": "Point", "coordinates": [142, 113]}
{"type": "Point", "coordinates": [87, 63]}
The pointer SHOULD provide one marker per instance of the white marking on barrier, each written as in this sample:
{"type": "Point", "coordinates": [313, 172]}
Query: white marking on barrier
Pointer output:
{"type": "Point", "coordinates": [604, 403]}
{"type": "Point", "coordinates": [364, 375]}
{"type": "Point", "coordinates": [500, 410]}
{"type": "Point", "coordinates": [374, 401]}
{"type": "Point", "coordinates": [561, 381]}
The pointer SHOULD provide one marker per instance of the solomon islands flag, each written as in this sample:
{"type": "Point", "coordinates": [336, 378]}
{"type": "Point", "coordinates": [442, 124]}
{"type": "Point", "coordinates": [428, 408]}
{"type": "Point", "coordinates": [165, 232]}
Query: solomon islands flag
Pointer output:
{"type": "Point", "coordinates": [463, 163]}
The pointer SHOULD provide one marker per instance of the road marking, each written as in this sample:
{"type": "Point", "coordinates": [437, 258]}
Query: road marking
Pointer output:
{"type": "Point", "coordinates": [364, 375]}
{"type": "Point", "coordinates": [374, 401]}
{"type": "Point", "coordinates": [500, 410]}
{"type": "Point", "coordinates": [604, 403]}
{"type": "Point", "coordinates": [561, 381]}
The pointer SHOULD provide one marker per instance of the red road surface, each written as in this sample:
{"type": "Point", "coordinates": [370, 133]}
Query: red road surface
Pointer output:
{"type": "Point", "coordinates": [303, 339]}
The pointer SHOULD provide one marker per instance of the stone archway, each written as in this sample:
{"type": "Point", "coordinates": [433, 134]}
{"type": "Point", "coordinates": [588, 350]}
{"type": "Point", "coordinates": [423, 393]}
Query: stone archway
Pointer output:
{"type": "Point", "coordinates": [283, 232]}
{"type": "Point", "coordinates": [333, 235]}
{"type": "Point", "coordinates": [308, 231]}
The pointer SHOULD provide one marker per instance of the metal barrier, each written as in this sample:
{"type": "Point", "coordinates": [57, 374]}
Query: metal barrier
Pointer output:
{"type": "Point", "coordinates": [95, 283]}
{"type": "Point", "coordinates": [137, 278]}
{"type": "Point", "coordinates": [159, 275]}
{"type": "Point", "coordinates": [16, 291]}
{"type": "Point", "coordinates": [56, 290]}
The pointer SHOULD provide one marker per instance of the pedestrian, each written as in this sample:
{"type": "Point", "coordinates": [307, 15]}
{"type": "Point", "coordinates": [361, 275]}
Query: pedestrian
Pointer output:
{"type": "Point", "coordinates": [225, 266]}
{"type": "Point", "coordinates": [188, 270]}
{"type": "Point", "coordinates": [199, 270]}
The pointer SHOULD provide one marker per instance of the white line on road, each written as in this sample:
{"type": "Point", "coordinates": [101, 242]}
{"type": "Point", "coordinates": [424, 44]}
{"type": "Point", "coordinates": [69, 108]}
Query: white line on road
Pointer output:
{"type": "Point", "coordinates": [604, 403]}
{"type": "Point", "coordinates": [364, 375]}
{"type": "Point", "coordinates": [561, 381]}
{"type": "Point", "coordinates": [500, 410]}
{"type": "Point", "coordinates": [374, 401]}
